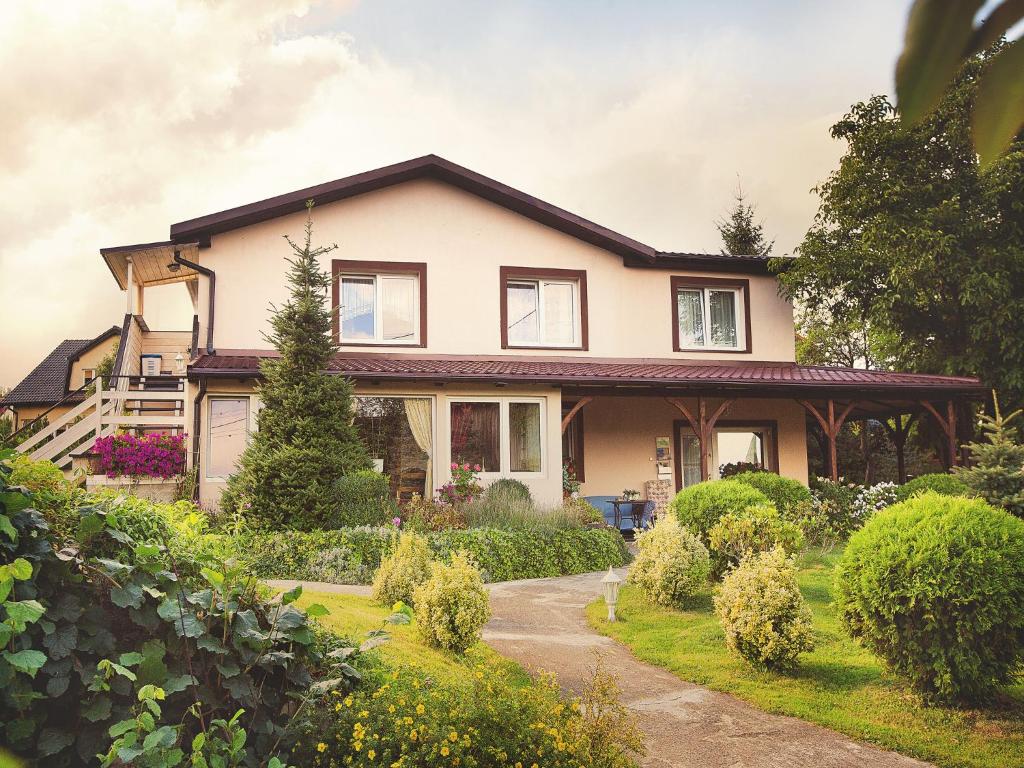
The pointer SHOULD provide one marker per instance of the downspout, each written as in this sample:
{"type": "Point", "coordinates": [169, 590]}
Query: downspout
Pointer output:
{"type": "Point", "coordinates": [197, 419]}
{"type": "Point", "coordinates": [212, 276]}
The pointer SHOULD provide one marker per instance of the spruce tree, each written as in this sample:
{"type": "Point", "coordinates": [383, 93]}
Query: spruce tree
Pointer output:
{"type": "Point", "coordinates": [741, 235]}
{"type": "Point", "coordinates": [997, 466]}
{"type": "Point", "coordinates": [306, 440]}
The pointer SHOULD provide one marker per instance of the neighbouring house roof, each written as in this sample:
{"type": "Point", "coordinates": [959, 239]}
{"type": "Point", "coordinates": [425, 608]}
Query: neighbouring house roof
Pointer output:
{"type": "Point", "coordinates": [711, 378]}
{"type": "Point", "coordinates": [635, 253]}
{"type": "Point", "coordinates": [48, 381]}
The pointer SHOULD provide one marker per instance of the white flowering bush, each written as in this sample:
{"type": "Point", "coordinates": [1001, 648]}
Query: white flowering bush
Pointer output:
{"type": "Point", "coordinates": [671, 565]}
{"type": "Point", "coordinates": [765, 618]}
{"type": "Point", "coordinates": [402, 571]}
{"type": "Point", "coordinates": [452, 605]}
{"type": "Point", "coordinates": [873, 498]}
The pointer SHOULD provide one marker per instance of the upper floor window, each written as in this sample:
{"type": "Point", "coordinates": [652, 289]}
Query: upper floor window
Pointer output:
{"type": "Point", "coordinates": [380, 303]}
{"type": "Point", "coordinates": [711, 314]}
{"type": "Point", "coordinates": [543, 308]}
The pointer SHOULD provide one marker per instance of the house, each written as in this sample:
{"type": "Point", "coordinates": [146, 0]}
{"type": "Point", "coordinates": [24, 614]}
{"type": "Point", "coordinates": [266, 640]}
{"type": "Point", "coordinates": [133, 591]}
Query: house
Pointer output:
{"type": "Point", "coordinates": [58, 383]}
{"type": "Point", "coordinates": [483, 325]}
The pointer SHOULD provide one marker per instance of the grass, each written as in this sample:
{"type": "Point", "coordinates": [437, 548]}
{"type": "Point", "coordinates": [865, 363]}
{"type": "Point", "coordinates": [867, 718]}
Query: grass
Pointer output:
{"type": "Point", "coordinates": [839, 685]}
{"type": "Point", "coordinates": [353, 616]}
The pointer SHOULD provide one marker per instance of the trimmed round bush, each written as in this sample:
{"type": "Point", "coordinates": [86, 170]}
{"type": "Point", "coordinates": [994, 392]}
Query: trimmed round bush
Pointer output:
{"type": "Point", "coordinates": [363, 498]}
{"type": "Point", "coordinates": [935, 586]}
{"type": "Point", "coordinates": [452, 605]}
{"type": "Point", "coordinates": [507, 488]}
{"type": "Point", "coordinates": [756, 529]}
{"type": "Point", "coordinates": [940, 482]}
{"type": "Point", "coordinates": [784, 492]}
{"type": "Point", "coordinates": [762, 612]}
{"type": "Point", "coordinates": [671, 565]}
{"type": "Point", "coordinates": [700, 506]}
{"type": "Point", "coordinates": [402, 571]}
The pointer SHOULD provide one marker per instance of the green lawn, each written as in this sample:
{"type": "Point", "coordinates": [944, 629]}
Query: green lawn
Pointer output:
{"type": "Point", "coordinates": [353, 616]}
{"type": "Point", "coordinates": [839, 685]}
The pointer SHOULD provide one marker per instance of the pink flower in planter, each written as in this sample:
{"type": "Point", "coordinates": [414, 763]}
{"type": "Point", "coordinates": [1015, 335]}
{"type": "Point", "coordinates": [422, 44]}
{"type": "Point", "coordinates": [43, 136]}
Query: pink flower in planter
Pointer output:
{"type": "Point", "coordinates": [153, 455]}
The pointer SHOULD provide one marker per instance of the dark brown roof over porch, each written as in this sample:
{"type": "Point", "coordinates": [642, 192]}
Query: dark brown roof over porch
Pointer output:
{"type": "Point", "coordinates": [715, 378]}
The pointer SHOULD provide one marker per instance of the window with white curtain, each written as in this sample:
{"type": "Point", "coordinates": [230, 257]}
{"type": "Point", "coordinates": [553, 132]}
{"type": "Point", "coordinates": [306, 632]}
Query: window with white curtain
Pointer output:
{"type": "Point", "coordinates": [504, 436]}
{"type": "Point", "coordinates": [543, 313]}
{"type": "Point", "coordinates": [379, 309]}
{"type": "Point", "coordinates": [710, 318]}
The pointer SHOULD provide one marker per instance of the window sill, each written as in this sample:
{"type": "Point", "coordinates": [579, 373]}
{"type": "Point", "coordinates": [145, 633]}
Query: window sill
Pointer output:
{"type": "Point", "coordinates": [576, 348]}
{"type": "Point", "coordinates": [715, 350]}
{"type": "Point", "coordinates": [406, 344]}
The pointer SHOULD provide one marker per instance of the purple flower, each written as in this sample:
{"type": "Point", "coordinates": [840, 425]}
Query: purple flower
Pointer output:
{"type": "Point", "coordinates": [397, 522]}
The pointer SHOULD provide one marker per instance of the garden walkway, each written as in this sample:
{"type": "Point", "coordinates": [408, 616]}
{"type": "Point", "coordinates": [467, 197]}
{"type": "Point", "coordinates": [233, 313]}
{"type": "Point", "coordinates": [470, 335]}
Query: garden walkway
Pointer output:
{"type": "Point", "coordinates": [541, 624]}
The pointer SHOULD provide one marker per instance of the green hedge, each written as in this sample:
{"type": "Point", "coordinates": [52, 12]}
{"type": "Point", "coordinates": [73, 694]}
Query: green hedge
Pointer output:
{"type": "Point", "coordinates": [940, 482]}
{"type": "Point", "coordinates": [784, 492]}
{"type": "Point", "coordinates": [351, 555]}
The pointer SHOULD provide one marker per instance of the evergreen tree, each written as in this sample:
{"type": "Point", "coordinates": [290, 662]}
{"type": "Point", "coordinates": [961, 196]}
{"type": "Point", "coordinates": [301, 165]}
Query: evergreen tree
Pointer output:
{"type": "Point", "coordinates": [997, 466]}
{"type": "Point", "coordinates": [306, 440]}
{"type": "Point", "coordinates": [740, 233]}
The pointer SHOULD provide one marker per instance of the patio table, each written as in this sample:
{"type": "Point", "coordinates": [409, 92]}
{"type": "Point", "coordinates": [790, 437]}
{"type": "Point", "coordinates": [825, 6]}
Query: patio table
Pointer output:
{"type": "Point", "coordinates": [635, 510]}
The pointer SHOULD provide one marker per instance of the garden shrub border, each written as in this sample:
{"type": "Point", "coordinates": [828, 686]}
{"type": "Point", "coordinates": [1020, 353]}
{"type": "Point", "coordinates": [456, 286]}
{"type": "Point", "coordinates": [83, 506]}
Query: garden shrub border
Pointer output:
{"type": "Point", "coordinates": [501, 555]}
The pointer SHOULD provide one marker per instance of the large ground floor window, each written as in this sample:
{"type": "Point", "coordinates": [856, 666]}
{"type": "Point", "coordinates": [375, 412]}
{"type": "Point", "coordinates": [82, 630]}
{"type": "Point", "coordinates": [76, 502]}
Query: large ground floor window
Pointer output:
{"type": "Point", "coordinates": [735, 447]}
{"type": "Point", "coordinates": [399, 433]}
{"type": "Point", "coordinates": [504, 436]}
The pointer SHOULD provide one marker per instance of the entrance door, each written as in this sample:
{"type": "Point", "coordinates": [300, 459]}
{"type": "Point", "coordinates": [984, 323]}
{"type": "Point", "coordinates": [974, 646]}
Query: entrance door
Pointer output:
{"type": "Point", "coordinates": [735, 447]}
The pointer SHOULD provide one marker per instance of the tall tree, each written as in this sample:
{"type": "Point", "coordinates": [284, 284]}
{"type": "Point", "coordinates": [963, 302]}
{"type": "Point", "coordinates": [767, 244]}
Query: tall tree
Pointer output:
{"type": "Point", "coordinates": [915, 240]}
{"type": "Point", "coordinates": [742, 235]}
{"type": "Point", "coordinates": [306, 439]}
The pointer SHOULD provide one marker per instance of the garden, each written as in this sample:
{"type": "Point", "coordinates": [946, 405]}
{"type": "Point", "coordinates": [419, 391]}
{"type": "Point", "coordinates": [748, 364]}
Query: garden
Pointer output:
{"type": "Point", "coordinates": [893, 614]}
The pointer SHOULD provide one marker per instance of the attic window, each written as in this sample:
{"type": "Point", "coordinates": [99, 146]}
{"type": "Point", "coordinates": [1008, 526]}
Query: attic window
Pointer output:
{"type": "Point", "coordinates": [711, 314]}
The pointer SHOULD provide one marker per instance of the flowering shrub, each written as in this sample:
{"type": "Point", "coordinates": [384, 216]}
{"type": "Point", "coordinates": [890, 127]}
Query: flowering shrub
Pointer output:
{"type": "Point", "coordinates": [873, 498]}
{"type": "Point", "coordinates": [463, 487]}
{"type": "Point", "coordinates": [452, 605]}
{"type": "Point", "coordinates": [430, 515]}
{"type": "Point", "coordinates": [570, 482]}
{"type": "Point", "coordinates": [413, 721]}
{"type": "Point", "coordinates": [672, 564]}
{"type": "Point", "coordinates": [402, 571]}
{"type": "Point", "coordinates": [765, 618]}
{"type": "Point", "coordinates": [152, 455]}
{"type": "Point", "coordinates": [756, 529]}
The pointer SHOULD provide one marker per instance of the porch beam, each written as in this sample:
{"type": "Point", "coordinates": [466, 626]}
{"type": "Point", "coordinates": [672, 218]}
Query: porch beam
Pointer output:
{"type": "Point", "coordinates": [702, 426]}
{"type": "Point", "coordinates": [580, 404]}
{"type": "Point", "coordinates": [830, 425]}
{"type": "Point", "coordinates": [947, 424]}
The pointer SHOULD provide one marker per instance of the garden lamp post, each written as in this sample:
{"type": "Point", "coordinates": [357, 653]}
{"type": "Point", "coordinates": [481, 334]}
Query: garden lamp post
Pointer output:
{"type": "Point", "coordinates": [611, 583]}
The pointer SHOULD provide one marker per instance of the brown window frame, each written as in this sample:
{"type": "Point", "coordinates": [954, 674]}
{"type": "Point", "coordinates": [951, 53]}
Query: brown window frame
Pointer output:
{"type": "Point", "coordinates": [575, 431]}
{"type": "Point", "coordinates": [681, 281]}
{"type": "Point", "coordinates": [357, 266]}
{"type": "Point", "coordinates": [539, 273]}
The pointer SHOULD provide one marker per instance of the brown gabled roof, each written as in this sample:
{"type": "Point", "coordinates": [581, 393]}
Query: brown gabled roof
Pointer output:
{"type": "Point", "coordinates": [765, 377]}
{"type": "Point", "coordinates": [201, 229]}
{"type": "Point", "coordinates": [48, 381]}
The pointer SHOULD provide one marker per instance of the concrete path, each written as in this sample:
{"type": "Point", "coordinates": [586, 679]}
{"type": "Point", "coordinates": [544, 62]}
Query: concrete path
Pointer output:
{"type": "Point", "coordinates": [541, 624]}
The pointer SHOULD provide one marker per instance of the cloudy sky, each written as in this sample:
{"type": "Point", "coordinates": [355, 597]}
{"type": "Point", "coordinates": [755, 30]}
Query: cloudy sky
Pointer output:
{"type": "Point", "coordinates": [121, 117]}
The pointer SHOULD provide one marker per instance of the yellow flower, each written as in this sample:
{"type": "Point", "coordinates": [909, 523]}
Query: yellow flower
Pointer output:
{"type": "Point", "coordinates": [445, 751]}
{"type": "Point", "coordinates": [413, 735]}
{"type": "Point", "coordinates": [371, 754]}
{"type": "Point", "coordinates": [321, 747]}
{"type": "Point", "coordinates": [420, 709]}
{"type": "Point", "coordinates": [453, 737]}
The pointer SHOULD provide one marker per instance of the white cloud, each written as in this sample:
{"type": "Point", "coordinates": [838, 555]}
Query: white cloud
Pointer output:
{"type": "Point", "coordinates": [125, 116]}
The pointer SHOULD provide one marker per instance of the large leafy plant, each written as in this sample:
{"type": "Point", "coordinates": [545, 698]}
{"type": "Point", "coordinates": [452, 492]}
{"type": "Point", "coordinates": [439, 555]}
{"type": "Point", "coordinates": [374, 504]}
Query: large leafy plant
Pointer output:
{"type": "Point", "coordinates": [88, 644]}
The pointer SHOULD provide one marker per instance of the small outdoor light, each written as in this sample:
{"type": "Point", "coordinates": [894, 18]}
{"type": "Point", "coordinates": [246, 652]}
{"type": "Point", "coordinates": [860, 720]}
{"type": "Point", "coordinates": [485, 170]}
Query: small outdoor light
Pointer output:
{"type": "Point", "coordinates": [179, 362]}
{"type": "Point", "coordinates": [611, 591]}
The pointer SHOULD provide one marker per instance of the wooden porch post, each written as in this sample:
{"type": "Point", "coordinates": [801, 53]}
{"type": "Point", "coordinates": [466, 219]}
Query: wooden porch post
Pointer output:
{"type": "Point", "coordinates": [947, 424]}
{"type": "Point", "coordinates": [702, 426]}
{"type": "Point", "coordinates": [830, 427]}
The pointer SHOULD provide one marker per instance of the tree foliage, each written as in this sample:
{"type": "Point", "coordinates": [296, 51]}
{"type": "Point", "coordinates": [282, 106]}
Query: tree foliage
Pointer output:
{"type": "Point", "coordinates": [306, 439]}
{"type": "Point", "coordinates": [742, 235]}
{"type": "Point", "coordinates": [996, 471]}
{"type": "Point", "coordinates": [916, 243]}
